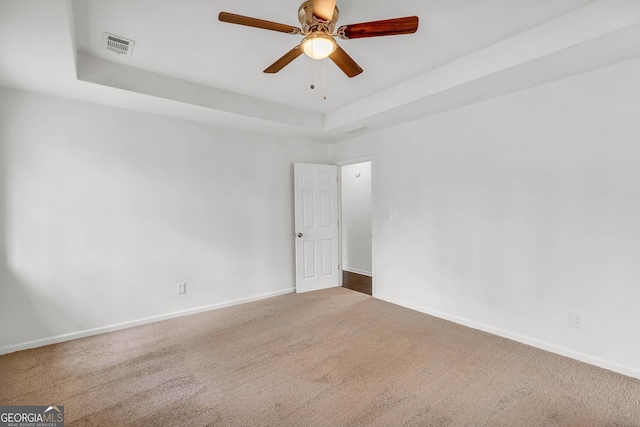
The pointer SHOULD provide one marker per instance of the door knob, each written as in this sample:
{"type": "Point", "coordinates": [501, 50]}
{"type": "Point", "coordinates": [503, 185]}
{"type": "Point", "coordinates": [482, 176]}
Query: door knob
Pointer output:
{"type": "Point", "coordinates": [299, 234]}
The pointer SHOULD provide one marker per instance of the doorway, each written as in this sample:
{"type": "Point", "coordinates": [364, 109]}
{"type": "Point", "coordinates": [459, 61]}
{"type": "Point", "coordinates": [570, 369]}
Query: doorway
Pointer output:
{"type": "Point", "coordinates": [356, 229]}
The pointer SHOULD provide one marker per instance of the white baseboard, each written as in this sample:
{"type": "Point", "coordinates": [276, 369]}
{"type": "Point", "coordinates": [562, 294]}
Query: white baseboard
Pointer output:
{"type": "Point", "coordinates": [624, 370]}
{"type": "Point", "coordinates": [355, 270]}
{"type": "Point", "coordinates": [124, 325]}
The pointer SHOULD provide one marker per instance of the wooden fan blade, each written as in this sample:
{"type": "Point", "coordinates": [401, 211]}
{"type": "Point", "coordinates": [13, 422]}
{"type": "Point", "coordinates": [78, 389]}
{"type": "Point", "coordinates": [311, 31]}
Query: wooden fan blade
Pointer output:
{"type": "Point", "coordinates": [284, 61]}
{"type": "Point", "coordinates": [257, 23]}
{"type": "Point", "coordinates": [345, 62]}
{"type": "Point", "coordinates": [387, 27]}
{"type": "Point", "coordinates": [323, 9]}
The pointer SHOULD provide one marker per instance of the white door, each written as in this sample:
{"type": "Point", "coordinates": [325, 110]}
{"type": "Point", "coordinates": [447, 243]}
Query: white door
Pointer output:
{"type": "Point", "coordinates": [316, 226]}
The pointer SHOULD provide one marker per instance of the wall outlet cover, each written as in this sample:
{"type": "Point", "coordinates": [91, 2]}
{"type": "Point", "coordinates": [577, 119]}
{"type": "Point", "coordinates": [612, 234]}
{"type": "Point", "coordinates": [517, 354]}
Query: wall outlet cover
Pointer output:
{"type": "Point", "coordinates": [576, 320]}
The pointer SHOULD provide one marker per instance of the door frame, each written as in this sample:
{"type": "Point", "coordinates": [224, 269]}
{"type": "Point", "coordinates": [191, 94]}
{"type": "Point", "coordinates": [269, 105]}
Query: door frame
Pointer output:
{"type": "Point", "coordinates": [340, 164]}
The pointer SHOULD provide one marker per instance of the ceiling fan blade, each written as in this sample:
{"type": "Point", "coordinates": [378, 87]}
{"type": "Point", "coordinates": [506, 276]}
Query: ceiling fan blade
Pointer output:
{"type": "Point", "coordinates": [345, 62]}
{"type": "Point", "coordinates": [387, 27]}
{"type": "Point", "coordinates": [284, 60]}
{"type": "Point", "coordinates": [323, 9]}
{"type": "Point", "coordinates": [257, 23]}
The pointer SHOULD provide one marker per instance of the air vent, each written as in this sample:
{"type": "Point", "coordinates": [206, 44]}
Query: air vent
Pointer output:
{"type": "Point", "coordinates": [117, 44]}
{"type": "Point", "coordinates": [357, 130]}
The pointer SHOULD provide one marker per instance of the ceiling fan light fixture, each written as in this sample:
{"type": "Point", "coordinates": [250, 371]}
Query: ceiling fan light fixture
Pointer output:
{"type": "Point", "coordinates": [318, 45]}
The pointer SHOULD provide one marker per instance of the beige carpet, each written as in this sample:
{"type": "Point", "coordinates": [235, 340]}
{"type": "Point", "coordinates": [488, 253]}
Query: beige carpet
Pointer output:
{"type": "Point", "coordinates": [333, 357]}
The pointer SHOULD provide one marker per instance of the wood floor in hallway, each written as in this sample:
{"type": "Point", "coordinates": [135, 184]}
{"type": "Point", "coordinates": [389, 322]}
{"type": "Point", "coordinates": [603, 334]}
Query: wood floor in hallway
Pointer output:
{"type": "Point", "coordinates": [357, 282]}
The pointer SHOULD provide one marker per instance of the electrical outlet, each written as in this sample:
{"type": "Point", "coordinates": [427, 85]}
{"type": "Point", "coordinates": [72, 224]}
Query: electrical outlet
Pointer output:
{"type": "Point", "coordinates": [576, 320]}
{"type": "Point", "coordinates": [182, 288]}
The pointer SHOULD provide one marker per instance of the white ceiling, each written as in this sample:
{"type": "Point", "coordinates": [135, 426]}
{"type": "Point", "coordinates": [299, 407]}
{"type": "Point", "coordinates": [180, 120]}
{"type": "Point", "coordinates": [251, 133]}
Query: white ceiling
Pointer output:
{"type": "Point", "coordinates": [186, 63]}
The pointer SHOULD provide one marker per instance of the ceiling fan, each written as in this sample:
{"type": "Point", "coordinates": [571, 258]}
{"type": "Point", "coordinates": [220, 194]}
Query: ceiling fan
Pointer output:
{"type": "Point", "coordinates": [318, 20]}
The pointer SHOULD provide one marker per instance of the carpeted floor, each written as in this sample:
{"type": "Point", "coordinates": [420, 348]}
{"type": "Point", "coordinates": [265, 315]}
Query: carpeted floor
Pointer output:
{"type": "Point", "coordinates": [333, 357]}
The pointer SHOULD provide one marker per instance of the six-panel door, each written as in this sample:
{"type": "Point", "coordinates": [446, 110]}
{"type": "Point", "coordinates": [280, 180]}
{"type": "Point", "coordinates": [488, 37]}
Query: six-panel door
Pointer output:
{"type": "Point", "coordinates": [316, 226]}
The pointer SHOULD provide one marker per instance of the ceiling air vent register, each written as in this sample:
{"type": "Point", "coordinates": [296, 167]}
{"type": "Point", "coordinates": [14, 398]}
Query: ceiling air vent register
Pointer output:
{"type": "Point", "coordinates": [117, 44]}
{"type": "Point", "coordinates": [357, 130]}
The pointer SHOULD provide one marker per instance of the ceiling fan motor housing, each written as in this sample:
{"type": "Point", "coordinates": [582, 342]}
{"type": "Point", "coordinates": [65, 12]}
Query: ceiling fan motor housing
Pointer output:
{"type": "Point", "coordinates": [311, 23]}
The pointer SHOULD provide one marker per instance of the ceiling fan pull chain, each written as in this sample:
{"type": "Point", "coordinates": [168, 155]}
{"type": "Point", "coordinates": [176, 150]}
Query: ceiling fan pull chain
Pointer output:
{"type": "Point", "coordinates": [324, 75]}
{"type": "Point", "coordinates": [312, 85]}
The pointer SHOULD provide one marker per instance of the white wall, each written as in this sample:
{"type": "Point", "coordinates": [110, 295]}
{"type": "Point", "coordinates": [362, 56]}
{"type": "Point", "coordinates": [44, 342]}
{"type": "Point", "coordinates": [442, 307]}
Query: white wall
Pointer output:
{"type": "Point", "coordinates": [356, 217]}
{"type": "Point", "coordinates": [105, 210]}
{"type": "Point", "coordinates": [516, 211]}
